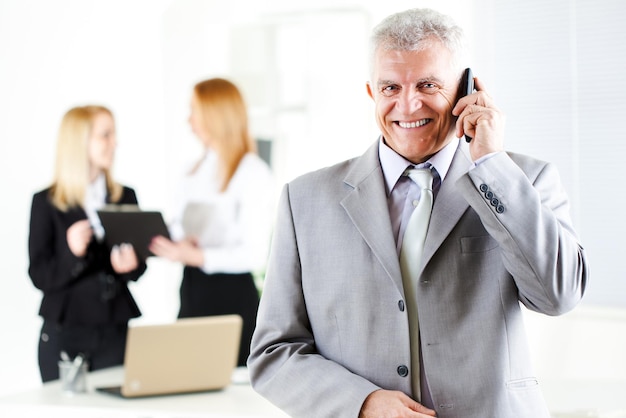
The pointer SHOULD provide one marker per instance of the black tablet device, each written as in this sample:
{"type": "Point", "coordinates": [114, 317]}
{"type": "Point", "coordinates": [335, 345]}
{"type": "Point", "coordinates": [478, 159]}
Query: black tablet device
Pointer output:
{"type": "Point", "coordinates": [129, 224]}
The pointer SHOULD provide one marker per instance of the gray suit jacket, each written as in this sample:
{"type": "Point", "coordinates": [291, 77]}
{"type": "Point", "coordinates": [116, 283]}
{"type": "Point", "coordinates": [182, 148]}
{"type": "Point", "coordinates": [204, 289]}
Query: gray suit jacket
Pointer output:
{"type": "Point", "coordinates": [332, 326]}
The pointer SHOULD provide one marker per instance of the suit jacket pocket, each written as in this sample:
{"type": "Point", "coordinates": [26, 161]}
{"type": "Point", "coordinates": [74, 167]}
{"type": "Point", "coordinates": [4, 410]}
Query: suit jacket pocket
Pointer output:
{"type": "Point", "coordinates": [522, 384]}
{"type": "Point", "coordinates": [478, 244]}
{"type": "Point", "coordinates": [86, 303]}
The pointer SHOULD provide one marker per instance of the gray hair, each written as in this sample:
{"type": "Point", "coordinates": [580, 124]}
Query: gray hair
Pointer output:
{"type": "Point", "coordinates": [415, 29]}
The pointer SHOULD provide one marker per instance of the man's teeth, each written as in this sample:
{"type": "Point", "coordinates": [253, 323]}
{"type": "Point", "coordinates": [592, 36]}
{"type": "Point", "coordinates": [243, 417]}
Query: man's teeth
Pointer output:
{"type": "Point", "coordinates": [413, 124]}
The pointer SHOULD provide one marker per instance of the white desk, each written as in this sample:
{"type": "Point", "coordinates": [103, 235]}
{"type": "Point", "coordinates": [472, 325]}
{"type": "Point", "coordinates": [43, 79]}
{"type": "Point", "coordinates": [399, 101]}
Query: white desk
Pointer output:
{"type": "Point", "coordinates": [566, 399]}
{"type": "Point", "coordinates": [237, 400]}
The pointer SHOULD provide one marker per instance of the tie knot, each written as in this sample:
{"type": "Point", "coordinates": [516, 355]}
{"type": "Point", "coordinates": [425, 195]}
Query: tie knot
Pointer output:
{"type": "Point", "coordinates": [423, 177]}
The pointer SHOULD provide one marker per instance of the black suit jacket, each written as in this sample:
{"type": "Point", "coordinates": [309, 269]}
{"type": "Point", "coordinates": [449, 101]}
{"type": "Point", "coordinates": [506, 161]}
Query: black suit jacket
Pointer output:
{"type": "Point", "coordinates": [76, 290]}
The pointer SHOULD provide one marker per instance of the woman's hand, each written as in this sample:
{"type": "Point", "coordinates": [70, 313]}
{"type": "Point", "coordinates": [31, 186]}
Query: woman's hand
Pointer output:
{"type": "Point", "coordinates": [123, 258]}
{"type": "Point", "coordinates": [78, 237]}
{"type": "Point", "coordinates": [185, 251]}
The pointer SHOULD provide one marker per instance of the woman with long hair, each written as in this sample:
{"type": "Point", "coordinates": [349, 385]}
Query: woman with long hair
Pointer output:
{"type": "Point", "coordinates": [86, 303]}
{"type": "Point", "coordinates": [222, 224]}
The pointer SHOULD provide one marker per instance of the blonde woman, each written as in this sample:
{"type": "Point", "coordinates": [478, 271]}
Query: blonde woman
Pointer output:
{"type": "Point", "coordinates": [224, 212]}
{"type": "Point", "coordinates": [86, 304]}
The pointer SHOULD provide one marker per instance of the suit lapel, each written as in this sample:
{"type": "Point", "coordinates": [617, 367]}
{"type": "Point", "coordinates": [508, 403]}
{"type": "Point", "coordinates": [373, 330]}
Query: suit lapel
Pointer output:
{"type": "Point", "coordinates": [366, 205]}
{"type": "Point", "coordinates": [448, 208]}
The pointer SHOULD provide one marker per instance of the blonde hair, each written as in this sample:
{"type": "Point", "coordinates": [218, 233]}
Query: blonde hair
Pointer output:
{"type": "Point", "coordinates": [224, 117]}
{"type": "Point", "coordinates": [71, 173]}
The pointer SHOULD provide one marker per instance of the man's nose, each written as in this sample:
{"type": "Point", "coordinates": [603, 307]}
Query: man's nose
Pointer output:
{"type": "Point", "coordinates": [410, 101]}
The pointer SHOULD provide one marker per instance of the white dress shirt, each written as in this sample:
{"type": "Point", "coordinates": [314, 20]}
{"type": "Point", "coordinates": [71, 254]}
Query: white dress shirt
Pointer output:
{"type": "Point", "coordinates": [95, 198]}
{"type": "Point", "coordinates": [233, 227]}
{"type": "Point", "coordinates": [401, 191]}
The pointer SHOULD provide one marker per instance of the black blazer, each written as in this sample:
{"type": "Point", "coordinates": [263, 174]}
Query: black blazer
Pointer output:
{"type": "Point", "coordinates": [76, 290]}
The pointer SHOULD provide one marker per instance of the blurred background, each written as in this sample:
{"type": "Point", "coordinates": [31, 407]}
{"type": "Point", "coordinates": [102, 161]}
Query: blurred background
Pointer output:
{"type": "Point", "coordinates": [555, 68]}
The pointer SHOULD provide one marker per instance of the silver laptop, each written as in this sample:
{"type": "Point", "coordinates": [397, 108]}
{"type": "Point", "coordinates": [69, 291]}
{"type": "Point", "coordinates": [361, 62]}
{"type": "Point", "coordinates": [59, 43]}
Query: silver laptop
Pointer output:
{"type": "Point", "coordinates": [189, 355]}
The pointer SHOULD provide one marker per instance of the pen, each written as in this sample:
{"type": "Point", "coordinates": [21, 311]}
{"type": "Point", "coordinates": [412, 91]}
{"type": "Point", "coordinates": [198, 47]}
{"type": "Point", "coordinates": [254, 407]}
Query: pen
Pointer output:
{"type": "Point", "coordinates": [76, 365]}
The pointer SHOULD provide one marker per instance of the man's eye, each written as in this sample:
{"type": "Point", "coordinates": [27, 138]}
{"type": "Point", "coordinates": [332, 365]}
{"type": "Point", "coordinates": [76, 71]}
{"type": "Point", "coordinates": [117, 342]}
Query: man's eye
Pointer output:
{"type": "Point", "coordinates": [389, 90]}
{"type": "Point", "coordinates": [428, 87]}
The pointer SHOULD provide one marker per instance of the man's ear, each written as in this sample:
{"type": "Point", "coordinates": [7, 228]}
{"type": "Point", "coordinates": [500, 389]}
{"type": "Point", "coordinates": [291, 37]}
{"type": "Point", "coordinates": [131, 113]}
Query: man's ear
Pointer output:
{"type": "Point", "coordinates": [369, 90]}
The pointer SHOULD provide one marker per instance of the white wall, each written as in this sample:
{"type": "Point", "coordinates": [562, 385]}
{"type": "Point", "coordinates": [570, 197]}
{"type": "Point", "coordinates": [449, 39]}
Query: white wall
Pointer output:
{"type": "Point", "coordinates": [55, 55]}
{"type": "Point", "coordinates": [305, 87]}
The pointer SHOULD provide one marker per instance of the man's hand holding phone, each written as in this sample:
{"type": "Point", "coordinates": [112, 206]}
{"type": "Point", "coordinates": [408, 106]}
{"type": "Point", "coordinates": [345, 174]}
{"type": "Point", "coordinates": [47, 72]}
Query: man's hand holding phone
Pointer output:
{"type": "Point", "coordinates": [480, 120]}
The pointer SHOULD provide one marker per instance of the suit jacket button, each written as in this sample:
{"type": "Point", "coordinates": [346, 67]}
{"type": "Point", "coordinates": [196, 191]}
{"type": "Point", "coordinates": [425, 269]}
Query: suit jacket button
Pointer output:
{"type": "Point", "coordinates": [495, 202]}
{"type": "Point", "coordinates": [489, 195]}
{"type": "Point", "coordinates": [78, 269]}
{"type": "Point", "coordinates": [403, 371]}
{"type": "Point", "coordinates": [401, 305]}
{"type": "Point", "coordinates": [500, 208]}
{"type": "Point", "coordinates": [483, 188]}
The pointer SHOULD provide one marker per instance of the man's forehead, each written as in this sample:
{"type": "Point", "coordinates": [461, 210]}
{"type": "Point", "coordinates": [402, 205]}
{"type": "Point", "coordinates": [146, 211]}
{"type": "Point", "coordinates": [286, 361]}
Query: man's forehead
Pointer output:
{"type": "Point", "coordinates": [425, 65]}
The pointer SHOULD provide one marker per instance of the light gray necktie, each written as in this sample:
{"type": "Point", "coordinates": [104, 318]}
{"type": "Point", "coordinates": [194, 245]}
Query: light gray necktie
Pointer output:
{"type": "Point", "coordinates": [411, 260]}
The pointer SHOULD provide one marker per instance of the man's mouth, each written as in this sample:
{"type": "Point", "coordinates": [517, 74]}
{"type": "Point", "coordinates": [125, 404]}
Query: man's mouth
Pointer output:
{"type": "Point", "coordinates": [414, 124]}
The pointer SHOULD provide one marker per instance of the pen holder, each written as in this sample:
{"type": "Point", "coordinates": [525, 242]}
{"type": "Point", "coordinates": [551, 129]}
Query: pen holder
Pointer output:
{"type": "Point", "coordinates": [73, 376]}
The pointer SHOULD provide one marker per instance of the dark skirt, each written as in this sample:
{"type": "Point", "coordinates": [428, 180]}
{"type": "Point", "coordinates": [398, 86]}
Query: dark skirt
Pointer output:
{"type": "Point", "coordinates": [204, 294]}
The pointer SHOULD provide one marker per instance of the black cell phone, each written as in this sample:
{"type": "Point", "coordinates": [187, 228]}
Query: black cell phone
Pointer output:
{"type": "Point", "coordinates": [467, 87]}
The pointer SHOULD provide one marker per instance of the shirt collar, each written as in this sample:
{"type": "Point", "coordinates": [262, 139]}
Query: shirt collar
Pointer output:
{"type": "Point", "coordinates": [97, 191]}
{"type": "Point", "coordinates": [394, 165]}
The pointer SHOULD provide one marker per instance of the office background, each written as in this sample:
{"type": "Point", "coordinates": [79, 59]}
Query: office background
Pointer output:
{"type": "Point", "coordinates": [555, 68]}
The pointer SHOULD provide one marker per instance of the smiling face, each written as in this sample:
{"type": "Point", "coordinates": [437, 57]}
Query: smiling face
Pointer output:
{"type": "Point", "coordinates": [414, 93]}
{"type": "Point", "coordinates": [101, 144]}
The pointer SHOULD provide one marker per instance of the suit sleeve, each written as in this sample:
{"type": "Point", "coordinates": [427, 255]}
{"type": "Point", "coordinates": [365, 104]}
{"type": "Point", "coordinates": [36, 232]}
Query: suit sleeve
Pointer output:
{"type": "Point", "coordinates": [52, 264]}
{"type": "Point", "coordinates": [524, 207]}
{"type": "Point", "coordinates": [284, 364]}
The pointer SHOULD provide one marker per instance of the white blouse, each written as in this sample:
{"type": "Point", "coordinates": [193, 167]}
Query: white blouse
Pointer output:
{"type": "Point", "coordinates": [232, 227]}
{"type": "Point", "coordinates": [95, 198]}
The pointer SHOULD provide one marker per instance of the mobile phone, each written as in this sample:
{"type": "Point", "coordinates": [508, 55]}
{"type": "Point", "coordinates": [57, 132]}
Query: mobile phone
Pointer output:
{"type": "Point", "coordinates": [467, 87]}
